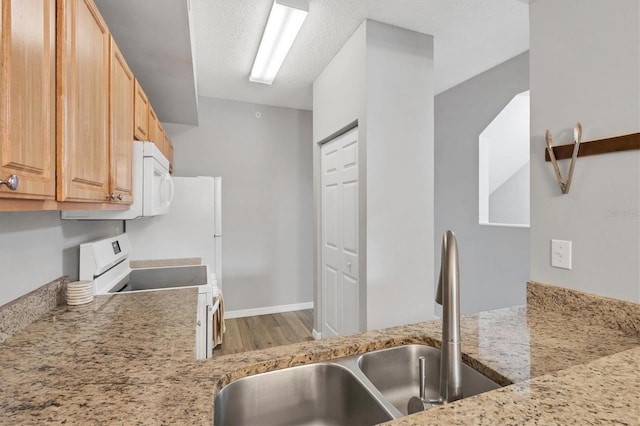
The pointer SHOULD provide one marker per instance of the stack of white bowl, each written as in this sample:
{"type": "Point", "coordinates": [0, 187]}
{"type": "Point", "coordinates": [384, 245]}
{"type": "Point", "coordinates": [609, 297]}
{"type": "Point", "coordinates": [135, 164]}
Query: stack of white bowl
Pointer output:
{"type": "Point", "coordinates": [79, 292]}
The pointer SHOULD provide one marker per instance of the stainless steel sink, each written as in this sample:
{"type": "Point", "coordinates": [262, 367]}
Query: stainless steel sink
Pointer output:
{"type": "Point", "coordinates": [394, 372]}
{"type": "Point", "coordinates": [366, 389]}
{"type": "Point", "coordinates": [357, 390]}
{"type": "Point", "coordinates": [316, 394]}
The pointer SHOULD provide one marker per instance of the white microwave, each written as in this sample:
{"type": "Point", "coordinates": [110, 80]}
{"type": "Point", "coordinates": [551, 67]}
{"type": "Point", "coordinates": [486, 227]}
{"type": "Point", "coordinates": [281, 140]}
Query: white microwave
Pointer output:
{"type": "Point", "coordinates": [152, 188]}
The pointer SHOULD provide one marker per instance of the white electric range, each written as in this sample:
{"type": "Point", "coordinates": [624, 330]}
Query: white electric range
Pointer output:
{"type": "Point", "coordinates": [106, 263]}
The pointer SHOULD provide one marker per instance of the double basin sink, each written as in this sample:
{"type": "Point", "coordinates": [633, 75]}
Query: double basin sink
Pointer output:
{"type": "Point", "coordinates": [359, 390]}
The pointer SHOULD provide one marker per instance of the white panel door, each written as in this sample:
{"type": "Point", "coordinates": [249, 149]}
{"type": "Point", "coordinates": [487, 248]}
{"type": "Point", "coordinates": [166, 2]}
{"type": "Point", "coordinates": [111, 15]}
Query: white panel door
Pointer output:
{"type": "Point", "coordinates": [340, 301]}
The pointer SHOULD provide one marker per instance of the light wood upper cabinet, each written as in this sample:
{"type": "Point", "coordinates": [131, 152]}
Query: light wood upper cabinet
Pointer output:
{"type": "Point", "coordinates": [122, 118]}
{"type": "Point", "coordinates": [153, 126]}
{"type": "Point", "coordinates": [160, 138]}
{"type": "Point", "coordinates": [83, 102]}
{"type": "Point", "coordinates": [168, 146]}
{"type": "Point", "coordinates": [142, 114]}
{"type": "Point", "coordinates": [70, 108]}
{"type": "Point", "coordinates": [156, 131]}
{"type": "Point", "coordinates": [27, 97]}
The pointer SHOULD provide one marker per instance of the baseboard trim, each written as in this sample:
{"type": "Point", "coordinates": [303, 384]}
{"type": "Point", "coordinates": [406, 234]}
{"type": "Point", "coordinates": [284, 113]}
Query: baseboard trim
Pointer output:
{"type": "Point", "coordinates": [316, 335]}
{"type": "Point", "coordinates": [241, 313]}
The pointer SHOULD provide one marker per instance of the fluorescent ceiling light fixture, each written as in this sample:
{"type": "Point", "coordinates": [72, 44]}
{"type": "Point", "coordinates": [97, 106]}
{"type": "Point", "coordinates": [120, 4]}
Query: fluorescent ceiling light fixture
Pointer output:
{"type": "Point", "coordinates": [283, 25]}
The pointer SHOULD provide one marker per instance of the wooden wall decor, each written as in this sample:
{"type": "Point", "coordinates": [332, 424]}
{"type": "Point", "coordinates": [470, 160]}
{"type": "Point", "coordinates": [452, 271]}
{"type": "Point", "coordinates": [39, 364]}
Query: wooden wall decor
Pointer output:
{"type": "Point", "coordinates": [598, 146]}
{"type": "Point", "coordinates": [584, 149]}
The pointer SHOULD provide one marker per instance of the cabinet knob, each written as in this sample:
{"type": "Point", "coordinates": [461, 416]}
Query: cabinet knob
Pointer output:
{"type": "Point", "coordinates": [349, 265]}
{"type": "Point", "coordinates": [12, 182]}
{"type": "Point", "coordinates": [120, 197]}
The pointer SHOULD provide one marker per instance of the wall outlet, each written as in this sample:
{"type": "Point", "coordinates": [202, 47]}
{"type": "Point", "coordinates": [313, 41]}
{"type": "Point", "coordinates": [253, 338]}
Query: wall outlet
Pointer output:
{"type": "Point", "coordinates": [561, 254]}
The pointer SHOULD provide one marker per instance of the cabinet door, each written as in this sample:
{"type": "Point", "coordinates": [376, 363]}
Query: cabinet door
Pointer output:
{"type": "Point", "coordinates": [83, 102]}
{"type": "Point", "coordinates": [27, 93]}
{"type": "Point", "coordinates": [153, 127]}
{"type": "Point", "coordinates": [142, 114]}
{"type": "Point", "coordinates": [168, 146]}
{"type": "Point", "coordinates": [160, 139]}
{"type": "Point", "coordinates": [156, 131]}
{"type": "Point", "coordinates": [121, 152]}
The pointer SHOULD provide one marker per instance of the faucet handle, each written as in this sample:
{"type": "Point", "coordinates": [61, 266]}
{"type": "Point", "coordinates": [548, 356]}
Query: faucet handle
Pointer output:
{"type": "Point", "coordinates": [423, 375]}
{"type": "Point", "coordinates": [417, 404]}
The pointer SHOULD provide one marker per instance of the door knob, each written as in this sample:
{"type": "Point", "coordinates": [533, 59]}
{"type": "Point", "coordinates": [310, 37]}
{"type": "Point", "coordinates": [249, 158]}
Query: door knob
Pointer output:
{"type": "Point", "coordinates": [12, 182]}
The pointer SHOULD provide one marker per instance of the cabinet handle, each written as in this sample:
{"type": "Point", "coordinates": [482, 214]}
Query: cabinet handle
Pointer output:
{"type": "Point", "coordinates": [113, 197]}
{"type": "Point", "coordinates": [12, 182]}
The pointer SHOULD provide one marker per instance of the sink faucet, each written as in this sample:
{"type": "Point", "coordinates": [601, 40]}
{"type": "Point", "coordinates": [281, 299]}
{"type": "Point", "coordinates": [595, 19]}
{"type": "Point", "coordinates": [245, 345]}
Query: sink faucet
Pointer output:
{"type": "Point", "coordinates": [448, 295]}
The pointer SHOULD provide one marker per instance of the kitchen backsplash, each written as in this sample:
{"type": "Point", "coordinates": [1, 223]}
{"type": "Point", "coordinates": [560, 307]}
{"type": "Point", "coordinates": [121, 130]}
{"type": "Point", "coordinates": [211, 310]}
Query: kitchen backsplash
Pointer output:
{"type": "Point", "coordinates": [617, 314]}
{"type": "Point", "coordinates": [19, 313]}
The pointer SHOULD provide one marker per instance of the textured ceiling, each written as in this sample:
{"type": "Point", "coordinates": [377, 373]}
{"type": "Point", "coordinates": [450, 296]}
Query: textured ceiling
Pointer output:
{"type": "Point", "coordinates": [470, 37]}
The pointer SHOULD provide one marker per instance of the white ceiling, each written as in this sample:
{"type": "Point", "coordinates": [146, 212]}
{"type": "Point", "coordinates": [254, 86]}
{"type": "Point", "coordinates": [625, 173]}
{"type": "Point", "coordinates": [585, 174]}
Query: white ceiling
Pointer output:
{"type": "Point", "coordinates": [160, 40]}
{"type": "Point", "coordinates": [470, 37]}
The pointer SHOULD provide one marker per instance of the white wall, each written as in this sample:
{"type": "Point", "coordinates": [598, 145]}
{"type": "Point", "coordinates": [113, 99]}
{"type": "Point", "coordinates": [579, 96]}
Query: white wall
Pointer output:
{"type": "Point", "coordinates": [338, 100]}
{"type": "Point", "coordinates": [509, 203]}
{"type": "Point", "coordinates": [494, 261]}
{"type": "Point", "coordinates": [265, 164]}
{"type": "Point", "coordinates": [339, 95]}
{"type": "Point", "coordinates": [382, 77]}
{"type": "Point", "coordinates": [400, 182]}
{"type": "Point", "coordinates": [585, 66]}
{"type": "Point", "coordinates": [39, 247]}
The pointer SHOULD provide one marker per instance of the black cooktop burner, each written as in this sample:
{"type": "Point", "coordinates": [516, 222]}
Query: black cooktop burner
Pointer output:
{"type": "Point", "coordinates": [159, 278]}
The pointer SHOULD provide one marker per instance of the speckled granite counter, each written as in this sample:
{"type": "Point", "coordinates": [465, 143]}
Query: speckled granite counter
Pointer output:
{"type": "Point", "coordinates": [122, 359]}
{"type": "Point", "coordinates": [604, 391]}
{"type": "Point", "coordinates": [128, 359]}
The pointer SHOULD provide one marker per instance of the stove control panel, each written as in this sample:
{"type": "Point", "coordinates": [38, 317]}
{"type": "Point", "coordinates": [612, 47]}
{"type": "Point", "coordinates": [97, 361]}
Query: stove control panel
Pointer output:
{"type": "Point", "coordinates": [97, 257]}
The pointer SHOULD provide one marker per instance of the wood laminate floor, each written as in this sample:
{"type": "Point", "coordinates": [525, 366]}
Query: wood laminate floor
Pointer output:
{"type": "Point", "coordinates": [265, 331]}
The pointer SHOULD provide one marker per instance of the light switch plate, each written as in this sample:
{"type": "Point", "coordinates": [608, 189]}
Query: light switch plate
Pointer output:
{"type": "Point", "coordinates": [561, 254]}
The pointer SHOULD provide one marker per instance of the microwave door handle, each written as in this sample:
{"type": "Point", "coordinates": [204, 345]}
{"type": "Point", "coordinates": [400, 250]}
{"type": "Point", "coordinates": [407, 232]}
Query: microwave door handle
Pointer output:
{"type": "Point", "coordinates": [172, 189]}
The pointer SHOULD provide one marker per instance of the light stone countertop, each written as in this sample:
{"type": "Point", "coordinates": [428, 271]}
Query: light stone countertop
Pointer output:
{"type": "Point", "coordinates": [604, 391]}
{"type": "Point", "coordinates": [129, 359]}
